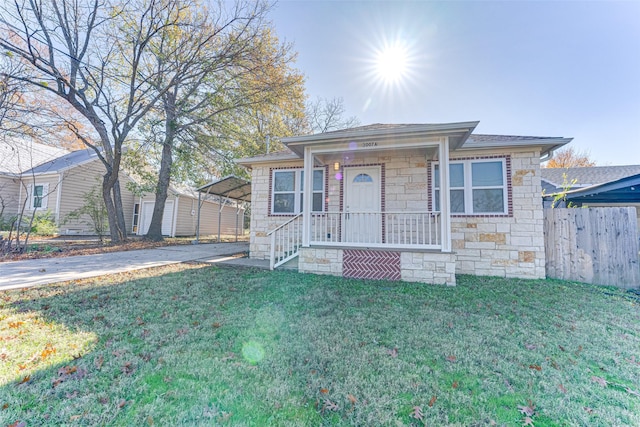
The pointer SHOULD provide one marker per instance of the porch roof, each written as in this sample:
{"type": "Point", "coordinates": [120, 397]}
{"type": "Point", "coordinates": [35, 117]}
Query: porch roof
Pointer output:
{"type": "Point", "coordinates": [457, 133]}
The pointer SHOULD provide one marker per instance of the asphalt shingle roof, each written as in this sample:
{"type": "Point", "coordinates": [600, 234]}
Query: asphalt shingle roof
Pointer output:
{"type": "Point", "coordinates": [71, 159]}
{"type": "Point", "coordinates": [18, 156]}
{"type": "Point", "coordinates": [588, 176]}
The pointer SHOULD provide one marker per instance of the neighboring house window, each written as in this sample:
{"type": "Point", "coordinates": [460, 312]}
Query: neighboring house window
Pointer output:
{"type": "Point", "coordinates": [287, 194]}
{"type": "Point", "coordinates": [38, 196]}
{"type": "Point", "coordinates": [476, 186]}
{"type": "Point", "coordinates": [136, 216]}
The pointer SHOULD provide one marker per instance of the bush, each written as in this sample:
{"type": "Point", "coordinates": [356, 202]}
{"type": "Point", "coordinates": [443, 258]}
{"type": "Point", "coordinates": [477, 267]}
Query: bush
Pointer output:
{"type": "Point", "coordinates": [6, 222]}
{"type": "Point", "coordinates": [44, 224]}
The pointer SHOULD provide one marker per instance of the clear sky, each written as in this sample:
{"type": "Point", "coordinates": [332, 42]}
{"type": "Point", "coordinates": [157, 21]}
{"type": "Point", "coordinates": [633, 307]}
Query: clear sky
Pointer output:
{"type": "Point", "coordinates": [569, 69]}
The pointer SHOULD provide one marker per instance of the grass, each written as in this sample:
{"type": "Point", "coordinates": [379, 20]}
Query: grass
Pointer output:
{"type": "Point", "coordinates": [186, 345]}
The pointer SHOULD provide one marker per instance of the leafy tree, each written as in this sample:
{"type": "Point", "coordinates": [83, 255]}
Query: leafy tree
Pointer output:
{"type": "Point", "coordinates": [222, 67]}
{"type": "Point", "coordinates": [569, 158]}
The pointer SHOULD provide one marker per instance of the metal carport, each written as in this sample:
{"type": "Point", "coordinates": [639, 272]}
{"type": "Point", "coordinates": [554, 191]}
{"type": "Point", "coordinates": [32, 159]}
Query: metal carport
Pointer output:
{"type": "Point", "coordinates": [228, 188]}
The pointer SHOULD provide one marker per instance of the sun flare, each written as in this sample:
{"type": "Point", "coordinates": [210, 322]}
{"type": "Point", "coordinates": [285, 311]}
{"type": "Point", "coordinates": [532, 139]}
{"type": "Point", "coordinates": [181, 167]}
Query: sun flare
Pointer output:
{"type": "Point", "coordinates": [391, 63]}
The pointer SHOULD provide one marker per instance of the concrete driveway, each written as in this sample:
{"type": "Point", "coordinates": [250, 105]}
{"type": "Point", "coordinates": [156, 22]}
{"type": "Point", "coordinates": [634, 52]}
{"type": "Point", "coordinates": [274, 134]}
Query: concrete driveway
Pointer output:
{"type": "Point", "coordinates": [23, 274]}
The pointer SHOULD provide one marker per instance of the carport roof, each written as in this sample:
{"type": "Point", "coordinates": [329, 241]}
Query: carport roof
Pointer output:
{"type": "Point", "coordinates": [230, 186]}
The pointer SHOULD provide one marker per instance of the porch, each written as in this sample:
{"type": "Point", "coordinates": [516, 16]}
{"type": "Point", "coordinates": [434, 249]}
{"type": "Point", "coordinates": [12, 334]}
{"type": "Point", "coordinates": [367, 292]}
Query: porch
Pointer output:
{"type": "Point", "coordinates": [378, 198]}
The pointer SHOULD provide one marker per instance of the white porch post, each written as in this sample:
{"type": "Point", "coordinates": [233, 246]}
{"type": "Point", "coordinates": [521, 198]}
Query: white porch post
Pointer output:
{"type": "Point", "coordinates": [445, 219]}
{"type": "Point", "coordinates": [307, 196]}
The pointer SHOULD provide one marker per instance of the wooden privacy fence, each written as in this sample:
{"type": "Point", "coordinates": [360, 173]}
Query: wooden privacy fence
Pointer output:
{"type": "Point", "coordinates": [593, 245]}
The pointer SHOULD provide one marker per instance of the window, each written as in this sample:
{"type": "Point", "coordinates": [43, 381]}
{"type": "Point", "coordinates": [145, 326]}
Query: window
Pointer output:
{"type": "Point", "coordinates": [287, 195]}
{"type": "Point", "coordinates": [476, 187]}
{"type": "Point", "coordinates": [136, 216]}
{"type": "Point", "coordinates": [38, 195]}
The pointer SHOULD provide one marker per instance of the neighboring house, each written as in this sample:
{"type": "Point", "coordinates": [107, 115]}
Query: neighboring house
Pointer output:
{"type": "Point", "coordinates": [181, 214]}
{"type": "Point", "coordinates": [597, 186]}
{"type": "Point", "coordinates": [412, 202]}
{"type": "Point", "coordinates": [60, 185]}
{"type": "Point", "coordinates": [17, 157]}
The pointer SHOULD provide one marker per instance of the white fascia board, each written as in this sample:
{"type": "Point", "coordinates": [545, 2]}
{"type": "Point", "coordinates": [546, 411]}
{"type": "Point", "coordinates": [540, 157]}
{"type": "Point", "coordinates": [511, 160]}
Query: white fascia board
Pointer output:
{"type": "Point", "coordinates": [396, 132]}
{"type": "Point", "coordinates": [388, 144]}
{"type": "Point", "coordinates": [548, 144]}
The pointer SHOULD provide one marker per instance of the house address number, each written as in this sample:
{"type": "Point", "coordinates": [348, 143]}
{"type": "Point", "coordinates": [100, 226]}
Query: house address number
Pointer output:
{"type": "Point", "coordinates": [369, 144]}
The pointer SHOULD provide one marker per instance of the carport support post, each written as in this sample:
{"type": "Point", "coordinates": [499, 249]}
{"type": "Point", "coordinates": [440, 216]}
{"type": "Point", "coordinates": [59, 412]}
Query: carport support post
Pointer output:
{"type": "Point", "coordinates": [237, 213]}
{"type": "Point", "coordinates": [198, 221]}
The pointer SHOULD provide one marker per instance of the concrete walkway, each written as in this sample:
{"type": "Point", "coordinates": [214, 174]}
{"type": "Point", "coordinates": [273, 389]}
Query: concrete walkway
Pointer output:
{"type": "Point", "coordinates": [23, 274]}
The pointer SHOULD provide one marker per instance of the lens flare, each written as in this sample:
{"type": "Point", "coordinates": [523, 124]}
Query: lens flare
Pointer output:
{"type": "Point", "coordinates": [253, 352]}
{"type": "Point", "coordinates": [391, 63]}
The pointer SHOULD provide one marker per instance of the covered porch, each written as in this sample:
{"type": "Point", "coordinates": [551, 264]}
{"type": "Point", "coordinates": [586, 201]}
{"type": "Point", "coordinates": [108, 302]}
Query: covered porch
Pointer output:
{"type": "Point", "coordinates": [382, 195]}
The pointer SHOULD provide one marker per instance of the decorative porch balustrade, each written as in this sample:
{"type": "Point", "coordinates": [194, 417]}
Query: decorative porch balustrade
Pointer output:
{"type": "Point", "coordinates": [400, 229]}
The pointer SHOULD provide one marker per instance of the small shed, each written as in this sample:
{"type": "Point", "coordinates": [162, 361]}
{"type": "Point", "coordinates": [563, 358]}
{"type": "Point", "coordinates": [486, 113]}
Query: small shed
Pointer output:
{"type": "Point", "coordinates": [233, 193]}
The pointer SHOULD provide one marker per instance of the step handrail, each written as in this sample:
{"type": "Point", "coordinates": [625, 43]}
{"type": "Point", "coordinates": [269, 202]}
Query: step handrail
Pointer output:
{"type": "Point", "coordinates": [289, 248]}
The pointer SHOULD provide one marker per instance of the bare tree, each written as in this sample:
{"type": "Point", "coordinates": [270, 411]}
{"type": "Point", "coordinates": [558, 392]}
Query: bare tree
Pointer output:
{"type": "Point", "coordinates": [76, 51]}
{"type": "Point", "coordinates": [325, 115]}
{"type": "Point", "coordinates": [569, 158]}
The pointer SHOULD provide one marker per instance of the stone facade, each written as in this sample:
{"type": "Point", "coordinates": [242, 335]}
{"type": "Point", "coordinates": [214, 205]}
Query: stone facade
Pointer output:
{"type": "Point", "coordinates": [428, 267]}
{"type": "Point", "coordinates": [506, 245]}
{"type": "Point", "coordinates": [423, 267]}
{"type": "Point", "coordinates": [511, 245]}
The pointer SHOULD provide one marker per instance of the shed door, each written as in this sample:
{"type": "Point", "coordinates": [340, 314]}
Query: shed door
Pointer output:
{"type": "Point", "coordinates": [362, 209]}
{"type": "Point", "coordinates": [147, 213]}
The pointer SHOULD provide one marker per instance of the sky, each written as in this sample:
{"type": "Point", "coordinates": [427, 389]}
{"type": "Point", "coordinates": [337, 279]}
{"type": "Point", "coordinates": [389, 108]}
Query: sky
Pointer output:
{"type": "Point", "coordinates": [537, 68]}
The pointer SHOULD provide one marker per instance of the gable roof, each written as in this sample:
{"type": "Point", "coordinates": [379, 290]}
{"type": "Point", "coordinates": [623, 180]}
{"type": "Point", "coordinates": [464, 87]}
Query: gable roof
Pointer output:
{"type": "Point", "coordinates": [457, 133]}
{"type": "Point", "coordinates": [588, 176]}
{"type": "Point", "coordinates": [460, 134]}
{"type": "Point", "coordinates": [67, 161]}
{"type": "Point", "coordinates": [17, 156]}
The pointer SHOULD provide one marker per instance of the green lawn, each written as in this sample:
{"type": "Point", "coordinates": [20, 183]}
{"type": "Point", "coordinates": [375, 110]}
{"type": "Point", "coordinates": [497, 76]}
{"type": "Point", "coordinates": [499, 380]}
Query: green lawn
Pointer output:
{"type": "Point", "coordinates": [219, 346]}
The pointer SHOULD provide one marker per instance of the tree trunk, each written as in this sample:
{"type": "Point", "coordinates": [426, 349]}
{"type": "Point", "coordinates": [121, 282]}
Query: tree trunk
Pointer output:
{"type": "Point", "coordinates": [117, 199]}
{"type": "Point", "coordinates": [164, 177]}
{"type": "Point", "coordinates": [111, 209]}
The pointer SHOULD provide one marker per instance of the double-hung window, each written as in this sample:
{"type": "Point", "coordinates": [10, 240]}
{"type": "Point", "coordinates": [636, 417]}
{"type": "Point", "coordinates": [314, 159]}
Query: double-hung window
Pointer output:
{"type": "Point", "coordinates": [477, 186]}
{"type": "Point", "coordinates": [287, 191]}
{"type": "Point", "coordinates": [38, 195]}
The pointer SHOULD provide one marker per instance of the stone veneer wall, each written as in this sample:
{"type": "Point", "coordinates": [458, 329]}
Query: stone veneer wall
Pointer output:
{"type": "Point", "coordinates": [261, 221]}
{"type": "Point", "coordinates": [423, 267]}
{"type": "Point", "coordinates": [506, 246]}
{"type": "Point", "coordinates": [502, 245]}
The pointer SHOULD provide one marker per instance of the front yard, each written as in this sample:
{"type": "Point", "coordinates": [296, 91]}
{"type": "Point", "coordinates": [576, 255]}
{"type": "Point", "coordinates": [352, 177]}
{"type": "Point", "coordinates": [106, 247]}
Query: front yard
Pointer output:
{"type": "Point", "coordinates": [193, 345]}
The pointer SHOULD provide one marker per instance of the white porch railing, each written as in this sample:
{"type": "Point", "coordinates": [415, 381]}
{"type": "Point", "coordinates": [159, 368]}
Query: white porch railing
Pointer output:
{"type": "Point", "coordinates": [377, 229]}
{"type": "Point", "coordinates": [286, 240]}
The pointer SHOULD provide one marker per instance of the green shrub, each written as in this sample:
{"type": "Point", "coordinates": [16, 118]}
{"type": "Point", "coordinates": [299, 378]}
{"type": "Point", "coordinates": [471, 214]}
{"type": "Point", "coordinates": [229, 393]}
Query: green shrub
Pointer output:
{"type": "Point", "coordinates": [44, 224]}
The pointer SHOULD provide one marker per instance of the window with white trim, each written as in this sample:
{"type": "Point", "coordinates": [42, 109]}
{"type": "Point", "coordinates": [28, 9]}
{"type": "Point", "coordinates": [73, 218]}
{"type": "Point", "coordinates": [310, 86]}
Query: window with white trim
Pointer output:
{"type": "Point", "coordinates": [477, 186]}
{"type": "Point", "coordinates": [38, 196]}
{"type": "Point", "coordinates": [287, 191]}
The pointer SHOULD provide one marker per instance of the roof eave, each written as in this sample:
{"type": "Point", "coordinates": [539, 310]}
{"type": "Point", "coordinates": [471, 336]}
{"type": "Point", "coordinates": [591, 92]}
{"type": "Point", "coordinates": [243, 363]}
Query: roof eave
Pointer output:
{"type": "Point", "coordinates": [297, 143]}
{"type": "Point", "coordinates": [547, 145]}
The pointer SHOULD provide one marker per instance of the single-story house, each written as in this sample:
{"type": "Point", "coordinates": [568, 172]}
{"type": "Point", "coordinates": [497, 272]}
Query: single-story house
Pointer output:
{"type": "Point", "coordinates": [597, 186]}
{"type": "Point", "coordinates": [419, 202]}
{"type": "Point", "coordinates": [60, 183]}
{"type": "Point", "coordinates": [17, 156]}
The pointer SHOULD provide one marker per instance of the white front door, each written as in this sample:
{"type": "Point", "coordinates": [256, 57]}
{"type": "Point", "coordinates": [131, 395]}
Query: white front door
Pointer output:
{"type": "Point", "coordinates": [147, 213]}
{"type": "Point", "coordinates": [362, 208]}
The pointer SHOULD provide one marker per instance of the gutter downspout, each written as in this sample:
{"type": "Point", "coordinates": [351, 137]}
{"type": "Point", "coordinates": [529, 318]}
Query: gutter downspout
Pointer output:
{"type": "Point", "coordinates": [547, 156]}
